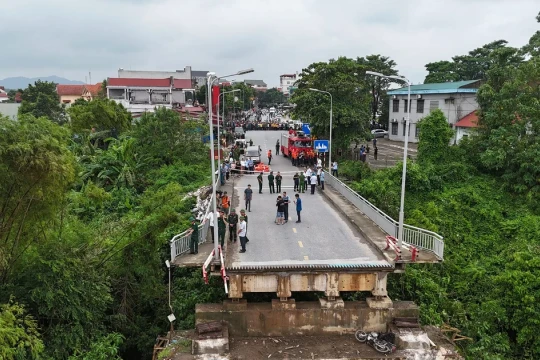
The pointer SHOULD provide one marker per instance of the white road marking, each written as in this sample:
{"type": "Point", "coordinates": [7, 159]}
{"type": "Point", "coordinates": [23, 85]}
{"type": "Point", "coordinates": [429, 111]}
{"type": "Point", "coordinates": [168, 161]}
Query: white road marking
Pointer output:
{"type": "Point", "coordinates": [300, 244]}
{"type": "Point", "coordinates": [294, 231]}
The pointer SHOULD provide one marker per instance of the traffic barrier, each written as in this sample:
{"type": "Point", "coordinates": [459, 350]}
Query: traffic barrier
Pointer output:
{"type": "Point", "coordinates": [391, 242]}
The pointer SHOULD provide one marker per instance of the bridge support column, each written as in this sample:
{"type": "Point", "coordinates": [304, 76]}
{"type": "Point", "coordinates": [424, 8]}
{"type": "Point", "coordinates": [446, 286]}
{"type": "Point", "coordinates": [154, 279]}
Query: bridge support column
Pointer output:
{"type": "Point", "coordinates": [380, 284]}
{"type": "Point", "coordinates": [235, 287]}
{"type": "Point", "coordinates": [332, 285]}
{"type": "Point", "coordinates": [284, 287]}
{"type": "Point", "coordinates": [380, 299]}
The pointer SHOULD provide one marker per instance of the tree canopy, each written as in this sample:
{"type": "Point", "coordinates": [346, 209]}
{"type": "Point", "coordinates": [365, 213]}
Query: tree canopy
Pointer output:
{"type": "Point", "coordinates": [474, 65]}
{"type": "Point", "coordinates": [345, 79]}
{"type": "Point", "coordinates": [40, 100]}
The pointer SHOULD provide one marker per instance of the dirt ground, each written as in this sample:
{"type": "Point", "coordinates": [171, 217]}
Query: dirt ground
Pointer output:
{"type": "Point", "coordinates": [302, 347]}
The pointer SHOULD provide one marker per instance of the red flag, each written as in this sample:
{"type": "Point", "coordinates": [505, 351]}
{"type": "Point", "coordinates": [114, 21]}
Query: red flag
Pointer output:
{"type": "Point", "coordinates": [215, 98]}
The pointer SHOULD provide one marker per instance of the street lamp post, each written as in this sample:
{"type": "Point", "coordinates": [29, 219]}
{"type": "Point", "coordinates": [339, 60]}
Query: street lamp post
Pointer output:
{"type": "Point", "coordinates": [330, 142]}
{"type": "Point", "coordinates": [222, 117]}
{"type": "Point", "coordinates": [171, 316]}
{"type": "Point", "coordinates": [404, 172]}
{"type": "Point", "coordinates": [210, 80]}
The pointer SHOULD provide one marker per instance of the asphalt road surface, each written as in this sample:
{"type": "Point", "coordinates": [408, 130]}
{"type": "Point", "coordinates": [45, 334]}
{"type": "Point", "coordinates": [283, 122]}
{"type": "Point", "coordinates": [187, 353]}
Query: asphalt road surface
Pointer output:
{"type": "Point", "coordinates": [323, 236]}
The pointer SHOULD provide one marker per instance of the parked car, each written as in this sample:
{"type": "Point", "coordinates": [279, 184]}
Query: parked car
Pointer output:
{"type": "Point", "coordinates": [239, 132]}
{"type": "Point", "coordinates": [379, 133]}
{"type": "Point", "coordinates": [253, 153]}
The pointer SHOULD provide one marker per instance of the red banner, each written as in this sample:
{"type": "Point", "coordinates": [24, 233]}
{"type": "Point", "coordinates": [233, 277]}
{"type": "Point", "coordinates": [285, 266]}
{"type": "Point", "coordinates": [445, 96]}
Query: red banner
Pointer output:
{"type": "Point", "coordinates": [215, 98]}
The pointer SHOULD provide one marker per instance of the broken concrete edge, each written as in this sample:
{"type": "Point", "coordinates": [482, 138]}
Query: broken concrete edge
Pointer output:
{"type": "Point", "coordinates": [357, 226]}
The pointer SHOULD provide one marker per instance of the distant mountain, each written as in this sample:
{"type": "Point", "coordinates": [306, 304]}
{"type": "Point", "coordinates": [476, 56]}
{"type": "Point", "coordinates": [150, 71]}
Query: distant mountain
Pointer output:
{"type": "Point", "coordinates": [21, 82]}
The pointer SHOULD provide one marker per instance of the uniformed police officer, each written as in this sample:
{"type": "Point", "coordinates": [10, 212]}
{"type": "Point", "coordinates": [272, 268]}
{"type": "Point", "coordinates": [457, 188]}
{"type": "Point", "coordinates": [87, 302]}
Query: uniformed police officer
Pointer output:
{"type": "Point", "coordinates": [271, 182]}
{"type": "Point", "coordinates": [232, 219]}
{"type": "Point", "coordinates": [194, 232]}
{"type": "Point", "coordinates": [278, 182]}
{"type": "Point", "coordinates": [260, 180]}
{"type": "Point", "coordinates": [222, 227]}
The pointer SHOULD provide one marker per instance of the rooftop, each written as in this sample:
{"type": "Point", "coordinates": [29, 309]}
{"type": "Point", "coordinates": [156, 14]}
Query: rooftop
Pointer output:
{"type": "Point", "coordinates": [93, 89]}
{"type": "Point", "coordinates": [138, 82]}
{"type": "Point", "coordinates": [468, 121]}
{"type": "Point", "coordinates": [255, 82]}
{"type": "Point", "coordinates": [67, 90]}
{"type": "Point", "coordinates": [467, 86]}
{"type": "Point", "coordinates": [198, 73]}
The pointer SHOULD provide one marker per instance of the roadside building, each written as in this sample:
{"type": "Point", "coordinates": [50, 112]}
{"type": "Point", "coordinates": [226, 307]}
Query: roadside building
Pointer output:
{"type": "Point", "coordinates": [465, 126]}
{"type": "Point", "coordinates": [258, 85]}
{"type": "Point", "coordinates": [286, 82]}
{"type": "Point", "coordinates": [69, 93]}
{"type": "Point", "coordinates": [11, 110]}
{"type": "Point", "coordinates": [140, 95]}
{"type": "Point", "coordinates": [455, 99]}
{"type": "Point", "coordinates": [199, 78]}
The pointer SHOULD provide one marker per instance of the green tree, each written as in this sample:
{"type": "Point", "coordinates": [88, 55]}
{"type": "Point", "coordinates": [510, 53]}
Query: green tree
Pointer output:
{"type": "Point", "coordinates": [474, 65]}
{"type": "Point", "coordinates": [165, 138]}
{"type": "Point", "coordinates": [345, 79]}
{"type": "Point", "coordinates": [378, 86]}
{"type": "Point", "coordinates": [100, 115]}
{"type": "Point", "coordinates": [19, 335]}
{"type": "Point", "coordinates": [270, 97]}
{"type": "Point", "coordinates": [40, 100]}
{"type": "Point", "coordinates": [36, 168]}
{"type": "Point", "coordinates": [104, 348]}
{"type": "Point", "coordinates": [434, 138]}
{"type": "Point", "coordinates": [508, 141]}
{"type": "Point", "coordinates": [201, 95]}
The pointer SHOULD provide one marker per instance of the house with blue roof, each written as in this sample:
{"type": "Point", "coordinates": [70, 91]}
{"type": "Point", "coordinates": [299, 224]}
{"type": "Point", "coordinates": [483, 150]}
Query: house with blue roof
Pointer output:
{"type": "Point", "coordinates": [456, 100]}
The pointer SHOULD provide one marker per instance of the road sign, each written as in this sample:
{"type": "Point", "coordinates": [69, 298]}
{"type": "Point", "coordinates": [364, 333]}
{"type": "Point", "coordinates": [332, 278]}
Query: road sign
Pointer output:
{"type": "Point", "coordinates": [321, 145]}
{"type": "Point", "coordinates": [306, 129]}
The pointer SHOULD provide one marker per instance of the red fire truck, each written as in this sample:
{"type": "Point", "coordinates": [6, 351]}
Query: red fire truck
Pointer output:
{"type": "Point", "coordinates": [295, 140]}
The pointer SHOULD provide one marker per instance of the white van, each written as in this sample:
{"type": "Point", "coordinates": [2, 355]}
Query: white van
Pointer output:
{"type": "Point", "coordinates": [253, 153]}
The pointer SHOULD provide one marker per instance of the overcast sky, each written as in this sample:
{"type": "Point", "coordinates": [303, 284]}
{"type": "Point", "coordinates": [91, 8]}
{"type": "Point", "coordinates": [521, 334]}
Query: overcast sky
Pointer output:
{"type": "Point", "coordinates": [70, 38]}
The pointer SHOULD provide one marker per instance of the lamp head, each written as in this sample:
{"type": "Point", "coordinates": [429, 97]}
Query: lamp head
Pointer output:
{"type": "Point", "coordinates": [312, 89]}
{"type": "Point", "coordinates": [168, 263]}
{"type": "Point", "coordinates": [243, 72]}
{"type": "Point", "coordinates": [210, 73]}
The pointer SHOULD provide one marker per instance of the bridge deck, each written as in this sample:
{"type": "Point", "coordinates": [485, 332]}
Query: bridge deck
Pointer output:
{"type": "Point", "coordinates": [323, 239]}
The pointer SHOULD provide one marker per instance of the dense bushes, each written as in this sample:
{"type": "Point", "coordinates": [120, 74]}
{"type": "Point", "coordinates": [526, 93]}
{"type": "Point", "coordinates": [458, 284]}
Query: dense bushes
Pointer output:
{"type": "Point", "coordinates": [85, 225]}
{"type": "Point", "coordinates": [489, 284]}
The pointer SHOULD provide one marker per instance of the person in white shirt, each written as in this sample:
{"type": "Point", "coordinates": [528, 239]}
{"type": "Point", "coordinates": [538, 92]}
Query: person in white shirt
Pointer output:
{"type": "Point", "coordinates": [319, 162]}
{"type": "Point", "coordinates": [308, 176]}
{"type": "Point", "coordinates": [242, 234]}
{"type": "Point", "coordinates": [210, 216]}
{"type": "Point", "coordinates": [334, 169]}
{"type": "Point", "coordinates": [319, 170]}
{"type": "Point", "coordinates": [313, 183]}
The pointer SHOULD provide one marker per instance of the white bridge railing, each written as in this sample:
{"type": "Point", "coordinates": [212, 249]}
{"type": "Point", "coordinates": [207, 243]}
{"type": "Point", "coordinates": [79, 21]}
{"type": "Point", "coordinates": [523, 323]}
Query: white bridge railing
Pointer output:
{"type": "Point", "coordinates": [420, 238]}
{"type": "Point", "coordinates": [180, 243]}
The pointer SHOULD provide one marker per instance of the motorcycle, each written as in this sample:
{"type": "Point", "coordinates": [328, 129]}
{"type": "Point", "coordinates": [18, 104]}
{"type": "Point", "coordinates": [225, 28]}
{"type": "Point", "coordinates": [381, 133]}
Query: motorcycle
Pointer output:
{"type": "Point", "coordinates": [382, 343]}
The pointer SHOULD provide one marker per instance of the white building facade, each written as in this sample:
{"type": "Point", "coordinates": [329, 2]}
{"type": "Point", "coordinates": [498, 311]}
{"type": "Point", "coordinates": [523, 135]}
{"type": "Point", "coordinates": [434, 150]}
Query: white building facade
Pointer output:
{"type": "Point", "coordinates": [286, 81]}
{"type": "Point", "coordinates": [454, 99]}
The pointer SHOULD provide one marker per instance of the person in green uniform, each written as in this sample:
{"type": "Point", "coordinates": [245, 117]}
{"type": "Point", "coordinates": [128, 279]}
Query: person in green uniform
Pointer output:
{"type": "Point", "coordinates": [243, 213]}
{"type": "Point", "coordinates": [232, 219]}
{"type": "Point", "coordinates": [302, 182]}
{"type": "Point", "coordinates": [194, 232]}
{"type": "Point", "coordinates": [222, 227]}
{"type": "Point", "coordinates": [271, 183]}
{"type": "Point", "coordinates": [278, 182]}
{"type": "Point", "coordinates": [260, 180]}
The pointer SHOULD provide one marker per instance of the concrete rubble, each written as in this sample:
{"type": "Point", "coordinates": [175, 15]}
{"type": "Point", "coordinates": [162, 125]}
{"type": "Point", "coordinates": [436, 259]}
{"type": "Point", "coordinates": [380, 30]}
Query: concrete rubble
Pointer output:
{"type": "Point", "coordinates": [203, 195]}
